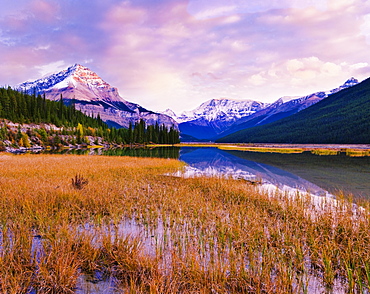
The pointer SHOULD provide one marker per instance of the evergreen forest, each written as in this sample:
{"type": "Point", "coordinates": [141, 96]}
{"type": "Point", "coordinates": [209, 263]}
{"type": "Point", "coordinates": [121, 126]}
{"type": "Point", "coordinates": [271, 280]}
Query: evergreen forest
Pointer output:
{"type": "Point", "coordinates": [43, 122]}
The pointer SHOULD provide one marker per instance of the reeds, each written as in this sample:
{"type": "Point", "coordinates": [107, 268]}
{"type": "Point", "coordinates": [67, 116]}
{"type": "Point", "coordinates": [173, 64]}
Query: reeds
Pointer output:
{"type": "Point", "coordinates": [79, 182]}
{"type": "Point", "coordinates": [161, 234]}
{"type": "Point", "coordinates": [325, 152]}
{"type": "Point", "coordinates": [357, 153]}
{"type": "Point", "coordinates": [287, 150]}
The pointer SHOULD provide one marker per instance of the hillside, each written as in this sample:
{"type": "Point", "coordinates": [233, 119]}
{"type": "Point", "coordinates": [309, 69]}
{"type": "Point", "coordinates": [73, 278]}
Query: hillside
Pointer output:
{"type": "Point", "coordinates": [343, 117]}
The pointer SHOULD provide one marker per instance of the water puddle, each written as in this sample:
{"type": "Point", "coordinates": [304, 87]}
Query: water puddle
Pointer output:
{"type": "Point", "coordinates": [96, 284]}
{"type": "Point", "coordinates": [157, 241]}
{"type": "Point", "coordinates": [160, 239]}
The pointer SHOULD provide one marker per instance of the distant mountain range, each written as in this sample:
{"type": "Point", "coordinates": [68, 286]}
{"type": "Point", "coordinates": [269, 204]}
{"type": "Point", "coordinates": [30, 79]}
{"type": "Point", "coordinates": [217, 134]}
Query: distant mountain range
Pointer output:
{"type": "Point", "coordinates": [343, 117]}
{"type": "Point", "coordinates": [217, 118]}
{"type": "Point", "coordinates": [214, 116]}
{"type": "Point", "coordinates": [92, 95]}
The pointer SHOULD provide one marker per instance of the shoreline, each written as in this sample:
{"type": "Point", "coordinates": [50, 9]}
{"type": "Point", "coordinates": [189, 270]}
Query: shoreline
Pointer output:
{"type": "Point", "coordinates": [318, 149]}
{"type": "Point", "coordinates": [280, 145]}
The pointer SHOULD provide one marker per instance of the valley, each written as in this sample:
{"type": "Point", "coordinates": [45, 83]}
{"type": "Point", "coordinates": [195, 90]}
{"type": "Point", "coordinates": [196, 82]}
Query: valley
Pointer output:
{"type": "Point", "coordinates": [221, 120]}
{"type": "Point", "coordinates": [185, 147]}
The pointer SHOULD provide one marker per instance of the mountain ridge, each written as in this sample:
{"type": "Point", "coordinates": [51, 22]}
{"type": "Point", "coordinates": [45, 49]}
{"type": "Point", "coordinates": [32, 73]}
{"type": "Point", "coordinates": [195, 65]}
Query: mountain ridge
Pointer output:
{"type": "Point", "coordinates": [280, 109]}
{"type": "Point", "coordinates": [340, 118]}
{"type": "Point", "coordinates": [214, 115]}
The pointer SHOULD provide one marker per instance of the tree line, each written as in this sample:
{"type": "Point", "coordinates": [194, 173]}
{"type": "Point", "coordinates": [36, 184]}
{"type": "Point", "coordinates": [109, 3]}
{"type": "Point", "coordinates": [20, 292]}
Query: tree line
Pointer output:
{"type": "Point", "coordinates": [72, 126]}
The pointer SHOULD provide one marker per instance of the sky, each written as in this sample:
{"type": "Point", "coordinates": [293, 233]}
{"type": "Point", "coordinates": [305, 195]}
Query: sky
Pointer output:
{"type": "Point", "coordinates": [178, 54]}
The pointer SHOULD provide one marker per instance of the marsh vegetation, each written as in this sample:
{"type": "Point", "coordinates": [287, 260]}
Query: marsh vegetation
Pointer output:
{"type": "Point", "coordinates": [194, 235]}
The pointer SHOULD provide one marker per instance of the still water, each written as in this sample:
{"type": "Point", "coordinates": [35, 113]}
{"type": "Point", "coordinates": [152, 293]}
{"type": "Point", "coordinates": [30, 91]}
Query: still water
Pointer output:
{"type": "Point", "coordinates": [318, 175]}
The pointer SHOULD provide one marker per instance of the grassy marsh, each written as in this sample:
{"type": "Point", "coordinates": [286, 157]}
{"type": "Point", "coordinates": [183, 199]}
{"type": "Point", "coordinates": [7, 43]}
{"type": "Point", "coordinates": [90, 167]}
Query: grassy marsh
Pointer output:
{"type": "Point", "coordinates": [208, 235]}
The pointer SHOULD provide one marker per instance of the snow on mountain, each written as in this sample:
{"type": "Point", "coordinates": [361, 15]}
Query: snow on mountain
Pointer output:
{"type": "Point", "coordinates": [92, 95]}
{"type": "Point", "coordinates": [169, 112]}
{"type": "Point", "coordinates": [221, 109]}
{"type": "Point", "coordinates": [349, 83]}
{"type": "Point", "coordinates": [70, 77]}
{"type": "Point", "coordinates": [213, 116]}
{"type": "Point", "coordinates": [285, 99]}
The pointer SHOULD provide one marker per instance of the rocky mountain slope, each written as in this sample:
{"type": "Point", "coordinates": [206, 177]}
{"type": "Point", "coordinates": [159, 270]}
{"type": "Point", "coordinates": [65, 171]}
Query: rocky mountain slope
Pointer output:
{"type": "Point", "coordinates": [92, 95]}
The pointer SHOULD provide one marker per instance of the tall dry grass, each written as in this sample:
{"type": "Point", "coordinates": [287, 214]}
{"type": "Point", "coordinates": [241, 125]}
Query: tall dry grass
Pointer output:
{"type": "Point", "coordinates": [197, 235]}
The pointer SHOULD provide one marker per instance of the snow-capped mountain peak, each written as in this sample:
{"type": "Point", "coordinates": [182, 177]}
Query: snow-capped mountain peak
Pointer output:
{"type": "Point", "coordinates": [219, 116]}
{"type": "Point", "coordinates": [169, 112]}
{"type": "Point", "coordinates": [222, 108]}
{"type": "Point", "coordinates": [70, 77]}
{"type": "Point", "coordinates": [84, 75]}
{"type": "Point", "coordinates": [349, 83]}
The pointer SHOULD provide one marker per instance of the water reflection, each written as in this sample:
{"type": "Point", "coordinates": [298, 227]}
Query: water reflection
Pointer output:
{"type": "Point", "coordinates": [158, 152]}
{"type": "Point", "coordinates": [316, 174]}
{"type": "Point", "coordinates": [333, 173]}
{"type": "Point", "coordinates": [213, 161]}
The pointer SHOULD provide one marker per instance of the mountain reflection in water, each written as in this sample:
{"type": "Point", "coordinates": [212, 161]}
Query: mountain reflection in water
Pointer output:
{"type": "Point", "coordinates": [315, 174]}
{"type": "Point", "coordinates": [213, 161]}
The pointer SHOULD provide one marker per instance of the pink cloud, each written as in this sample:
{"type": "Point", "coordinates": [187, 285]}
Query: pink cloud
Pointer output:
{"type": "Point", "coordinates": [45, 11]}
{"type": "Point", "coordinates": [156, 52]}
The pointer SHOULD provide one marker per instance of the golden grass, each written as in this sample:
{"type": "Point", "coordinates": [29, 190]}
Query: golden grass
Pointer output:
{"type": "Point", "coordinates": [357, 153]}
{"type": "Point", "coordinates": [208, 235]}
{"type": "Point", "coordinates": [325, 152]}
{"type": "Point", "coordinates": [263, 149]}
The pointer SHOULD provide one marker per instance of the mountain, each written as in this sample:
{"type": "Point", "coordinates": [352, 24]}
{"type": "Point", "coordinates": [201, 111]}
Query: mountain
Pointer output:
{"type": "Point", "coordinates": [217, 118]}
{"type": "Point", "coordinates": [169, 113]}
{"type": "Point", "coordinates": [341, 118]}
{"type": "Point", "coordinates": [283, 108]}
{"type": "Point", "coordinates": [213, 116]}
{"type": "Point", "coordinates": [92, 95]}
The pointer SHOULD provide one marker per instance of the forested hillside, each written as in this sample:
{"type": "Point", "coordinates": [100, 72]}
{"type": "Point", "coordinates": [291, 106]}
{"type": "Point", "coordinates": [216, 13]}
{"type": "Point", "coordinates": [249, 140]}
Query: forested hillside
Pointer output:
{"type": "Point", "coordinates": [341, 118]}
{"type": "Point", "coordinates": [29, 120]}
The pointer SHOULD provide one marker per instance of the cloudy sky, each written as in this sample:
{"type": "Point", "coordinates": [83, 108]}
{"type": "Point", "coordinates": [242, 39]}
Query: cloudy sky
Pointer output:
{"type": "Point", "coordinates": [179, 53]}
